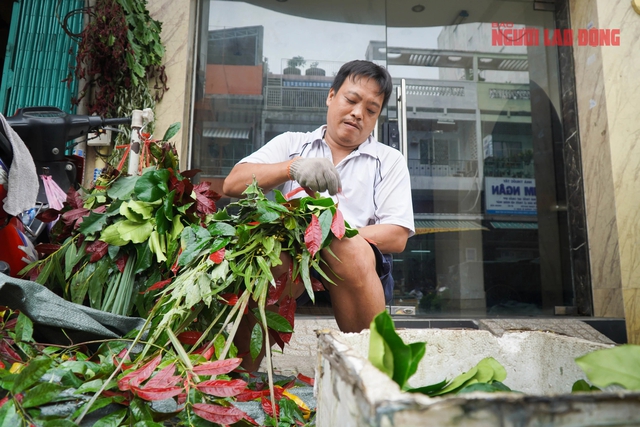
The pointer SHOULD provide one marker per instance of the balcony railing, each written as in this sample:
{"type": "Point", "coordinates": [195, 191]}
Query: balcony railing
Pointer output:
{"type": "Point", "coordinates": [453, 168]}
{"type": "Point", "coordinates": [303, 98]}
{"type": "Point", "coordinates": [502, 168]}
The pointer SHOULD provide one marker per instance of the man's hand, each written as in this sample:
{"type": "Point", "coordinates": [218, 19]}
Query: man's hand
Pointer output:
{"type": "Point", "coordinates": [319, 174]}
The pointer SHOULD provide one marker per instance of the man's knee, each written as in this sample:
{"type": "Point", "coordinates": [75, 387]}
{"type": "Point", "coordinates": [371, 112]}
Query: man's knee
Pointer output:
{"type": "Point", "coordinates": [355, 259]}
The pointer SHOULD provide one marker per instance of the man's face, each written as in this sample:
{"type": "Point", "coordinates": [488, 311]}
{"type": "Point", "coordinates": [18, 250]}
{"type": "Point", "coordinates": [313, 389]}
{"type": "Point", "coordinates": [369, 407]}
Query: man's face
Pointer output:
{"type": "Point", "coordinates": [352, 112]}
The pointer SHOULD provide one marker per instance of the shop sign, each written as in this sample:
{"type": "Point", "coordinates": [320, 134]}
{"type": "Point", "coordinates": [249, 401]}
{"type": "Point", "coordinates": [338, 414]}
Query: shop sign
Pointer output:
{"type": "Point", "coordinates": [513, 196]}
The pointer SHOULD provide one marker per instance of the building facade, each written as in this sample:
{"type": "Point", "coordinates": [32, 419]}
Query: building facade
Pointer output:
{"type": "Point", "coordinates": [523, 158]}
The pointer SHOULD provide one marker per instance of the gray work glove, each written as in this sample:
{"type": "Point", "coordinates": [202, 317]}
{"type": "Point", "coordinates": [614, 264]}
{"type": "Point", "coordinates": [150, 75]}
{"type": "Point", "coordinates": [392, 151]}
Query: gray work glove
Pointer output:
{"type": "Point", "coordinates": [319, 174]}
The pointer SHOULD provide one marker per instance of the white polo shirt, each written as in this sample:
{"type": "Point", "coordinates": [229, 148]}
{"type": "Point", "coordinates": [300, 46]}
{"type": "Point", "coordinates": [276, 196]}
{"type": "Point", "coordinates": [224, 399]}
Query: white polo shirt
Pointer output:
{"type": "Point", "coordinates": [376, 187]}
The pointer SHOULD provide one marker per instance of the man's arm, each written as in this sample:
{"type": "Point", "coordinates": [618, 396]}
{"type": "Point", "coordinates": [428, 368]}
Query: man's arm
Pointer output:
{"type": "Point", "coordinates": [388, 238]}
{"type": "Point", "coordinates": [268, 176]}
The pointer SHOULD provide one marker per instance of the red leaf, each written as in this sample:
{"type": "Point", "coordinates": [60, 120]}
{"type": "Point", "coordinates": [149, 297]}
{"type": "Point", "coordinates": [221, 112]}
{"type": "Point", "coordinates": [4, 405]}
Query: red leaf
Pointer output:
{"type": "Point", "coordinates": [189, 337]}
{"type": "Point", "coordinates": [156, 393]}
{"type": "Point", "coordinates": [8, 353]}
{"type": "Point", "coordinates": [207, 353]}
{"type": "Point", "coordinates": [122, 262]}
{"type": "Point", "coordinates": [74, 215]}
{"type": "Point", "coordinates": [305, 379]}
{"type": "Point", "coordinates": [218, 414]}
{"type": "Point", "coordinates": [230, 299]}
{"type": "Point", "coordinates": [164, 378]}
{"type": "Point", "coordinates": [218, 256]}
{"type": "Point", "coordinates": [266, 405]}
{"type": "Point", "coordinates": [317, 285]}
{"type": "Point", "coordinates": [222, 388]}
{"type": "Point", "coordinates": [190, 173]}
{"type": "Point", "coordinates": [47, 248]}
{"type": "Point", "coordinates": [74, 199]}
{"type": "Point", "coordinates": [133, 379]}
{"type": "Point", "coordinates": [218, 367]}
{"type": "Point", "coordinates": [3, 401]}
{"type": "Point", "coordinates": [249, 395]}
{"type": "Point", "coordinates": [159, 285]}
{"type": "Point", "coordinates": [292, 193]}
{"type": "Point", "coordinates": [288, 311]}
{"type": "Point", "coordinates": [205, 198]}
{"type": "Point", "coordinates": [1, 365]}
{"type": "Point", "coordinates": [48, 215]}
{"type": "Point", "coordinates": [175, 267]}
{"type": "Point", "coordinates": [275, 292]}
{"type": "Point", "coordinates": [275, 337]}
{"type": "Point", "coordinates": [97, 249]}
{"type": "Point", "coordinates": [313, 235]}
{"type": "Point", "coordinates": [337, 225]}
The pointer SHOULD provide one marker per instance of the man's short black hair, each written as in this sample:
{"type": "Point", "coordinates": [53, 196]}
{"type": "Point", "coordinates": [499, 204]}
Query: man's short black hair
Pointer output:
{"type": "Point", "coordinates": [367, 69]}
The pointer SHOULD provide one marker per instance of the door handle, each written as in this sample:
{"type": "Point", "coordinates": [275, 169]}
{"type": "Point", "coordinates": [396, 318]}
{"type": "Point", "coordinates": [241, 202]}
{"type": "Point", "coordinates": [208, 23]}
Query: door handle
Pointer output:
{"type": "Point", "coordinates": [401, 102]}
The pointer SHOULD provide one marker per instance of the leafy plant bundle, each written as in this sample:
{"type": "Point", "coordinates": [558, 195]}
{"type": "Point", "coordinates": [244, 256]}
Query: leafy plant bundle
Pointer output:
{"type": "Point", "coordinates": [156, 246]}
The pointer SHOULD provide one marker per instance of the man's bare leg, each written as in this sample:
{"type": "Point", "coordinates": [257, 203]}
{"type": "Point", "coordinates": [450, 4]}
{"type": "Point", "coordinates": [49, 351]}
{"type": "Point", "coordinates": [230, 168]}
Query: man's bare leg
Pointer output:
{"type": "Point", "coordinates": [357, 297]}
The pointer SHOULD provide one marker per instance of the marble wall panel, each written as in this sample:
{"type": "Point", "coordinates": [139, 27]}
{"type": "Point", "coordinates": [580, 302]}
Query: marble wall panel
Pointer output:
{"type": "Point", "coordinates": [178, 19]}
{"type": "Point", "coordinates": [597, 166]}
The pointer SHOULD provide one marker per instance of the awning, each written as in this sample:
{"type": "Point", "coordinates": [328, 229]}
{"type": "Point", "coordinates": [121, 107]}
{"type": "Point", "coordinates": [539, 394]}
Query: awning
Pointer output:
{"type": "Point", "coordinates": [442, 226]}
{"type": "Point", "coordinates": [226, 133]}
{"type": "Point", "coordinates": [514, 225]}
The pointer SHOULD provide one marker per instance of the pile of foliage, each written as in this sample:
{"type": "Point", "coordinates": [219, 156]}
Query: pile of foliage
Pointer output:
{"type": "Point", "coordinates": [613, 367]}
{"type": "Point", "coordinates": [156, 246]}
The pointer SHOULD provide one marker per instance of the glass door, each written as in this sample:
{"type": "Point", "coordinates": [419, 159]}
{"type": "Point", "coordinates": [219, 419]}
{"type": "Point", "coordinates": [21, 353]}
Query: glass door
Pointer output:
{"type": "Point", "coordinates": [483, 141]}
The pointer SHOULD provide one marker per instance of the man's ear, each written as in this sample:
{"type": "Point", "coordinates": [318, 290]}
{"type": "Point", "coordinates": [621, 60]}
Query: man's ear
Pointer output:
{"type": "Point", "coordinates": [330, 97]}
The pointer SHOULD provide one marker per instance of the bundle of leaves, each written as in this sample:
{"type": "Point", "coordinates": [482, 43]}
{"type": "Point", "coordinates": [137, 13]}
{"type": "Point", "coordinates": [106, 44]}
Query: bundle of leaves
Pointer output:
{"type": "Point", "coordinates": [155, 245]}
{"type": "Point", "coordinates": [50, 385]}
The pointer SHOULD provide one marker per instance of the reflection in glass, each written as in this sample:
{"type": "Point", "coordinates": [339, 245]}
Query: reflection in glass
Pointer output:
{"type": "Point", "coordinates": [483, 133]}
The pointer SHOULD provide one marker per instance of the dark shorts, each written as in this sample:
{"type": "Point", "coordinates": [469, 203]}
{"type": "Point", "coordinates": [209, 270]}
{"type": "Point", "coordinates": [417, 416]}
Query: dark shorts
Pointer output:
{"type": "Point", "coordinates": [384, 268]}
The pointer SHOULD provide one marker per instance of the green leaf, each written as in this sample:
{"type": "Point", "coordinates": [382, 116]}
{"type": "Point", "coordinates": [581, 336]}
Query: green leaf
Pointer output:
{"type": "Point", "coordinates": [162, 224]}
{"type": "Point", "coordinates": [136, 232]}
{"type": "Point", "coordinates": [325, 219]}
{"type": "Point", "coordinates": [144, 258]}
{"type": "Point", "coordinates": [617, 365]}
{"type": "Point", "coordinates": [458, 381]}
{"type": "Point", "coordinates": [429, 389]}
{"type": "Point", "coordinates": [255, 346]}
{"type": "Point", "coordinates": [111, 235]}
{"type": "Point", "coordinates": [221, 229]}
{"type": "Point", "coordinates": [9, 417]}
{"type": "Point", "coordinates": [156, 246]}
{"type": "Point", "coordinates": [112, 420]}
{"type": "Point", "coordinates": [31, 374]}
{"type": "Point", "coordinates": [123, 187]}
{"type": "Point", "coordinates": [279, 196]}
{"type": "Point", "coordinates": [266, 213]}
{"type": "Point", "coordinates": [24, 329]}
{"type": "Point", "coordinates": [582, 385]}
{"type": "Point", "coordinates": [144, 210]}
{"type": "Point", "coordinates": [276, 321]}
{"type": "Point", "coordinates": [152, 186]}
{"type": "Point", "coordinates": [42, 394]}
{"type": "Point", "coordinates": [304, 272]}
{"type": "Point", "coordinates": [171, 131]}
{"type": "Point", "coordinates": [93, 223]}
{"type": "Point", "coordinates": [380, 354]}
{"type": "Point", "coordinates": [404, 359]}
{"type": "Point", "coordinates": [498, 371]}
